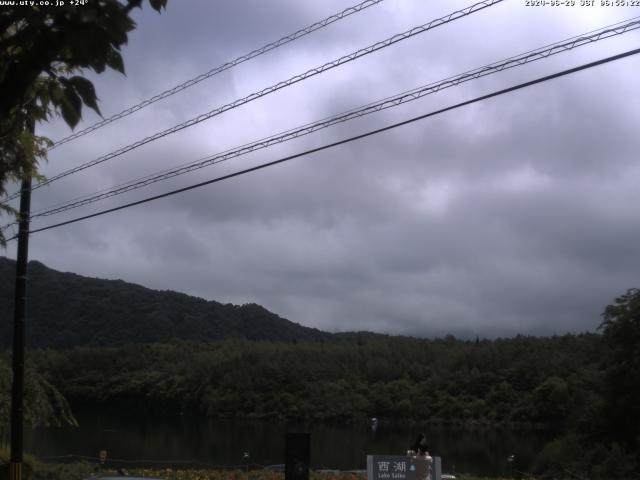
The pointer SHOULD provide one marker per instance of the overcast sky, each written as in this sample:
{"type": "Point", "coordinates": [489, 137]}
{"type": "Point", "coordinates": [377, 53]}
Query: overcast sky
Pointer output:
{"type": "Point", "coordinates": [515, 215]}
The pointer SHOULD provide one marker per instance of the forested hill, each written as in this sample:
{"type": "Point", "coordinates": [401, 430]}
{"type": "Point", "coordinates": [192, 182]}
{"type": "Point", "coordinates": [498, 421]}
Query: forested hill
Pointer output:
{"type": "Point", "coordinates": [66, 310]}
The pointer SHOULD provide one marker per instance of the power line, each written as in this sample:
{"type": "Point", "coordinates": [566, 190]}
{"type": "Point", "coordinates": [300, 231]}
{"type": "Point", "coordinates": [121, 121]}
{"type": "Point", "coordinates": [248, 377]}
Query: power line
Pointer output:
{"type": "Point", "coordinates": [389, 102]}
{"type": "Point", "coordinates": [254, 96]}
{"type": "Point", "coordinates": [221, 68]}
{"type": "Point", "coordinates": [532, 55]}
{"type": "Point", "coordinates": [347, 140]}
{"type": "Point", "coordinates": [521, 59]}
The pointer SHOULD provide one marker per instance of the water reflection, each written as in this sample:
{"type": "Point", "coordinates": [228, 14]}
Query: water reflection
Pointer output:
{"type": "Point", "coordinates": [480, 452]}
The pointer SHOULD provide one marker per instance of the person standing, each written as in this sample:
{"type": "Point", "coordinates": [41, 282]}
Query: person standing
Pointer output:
{"type": "Point", "coordinates": [420, 458]}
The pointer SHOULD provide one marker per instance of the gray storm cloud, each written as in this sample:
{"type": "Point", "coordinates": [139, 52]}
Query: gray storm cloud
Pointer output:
{"type": "Point", "coordinates": [515, 215]}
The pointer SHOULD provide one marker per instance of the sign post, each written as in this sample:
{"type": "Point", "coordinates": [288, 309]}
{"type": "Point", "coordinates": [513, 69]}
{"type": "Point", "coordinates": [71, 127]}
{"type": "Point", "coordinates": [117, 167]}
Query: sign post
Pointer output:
{"type": "Point", "coordinates": [396, 467]}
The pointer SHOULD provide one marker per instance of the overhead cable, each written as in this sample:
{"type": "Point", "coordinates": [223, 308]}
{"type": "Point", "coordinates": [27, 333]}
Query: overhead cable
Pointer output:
{"type": "Point", "coordinates": [266, 91]}
{"type": "Point", "coordinates": [389, 102]}
{"type": "Point", "coordinates": [221, 68]}
{"type": "Point", "coordinates": [346, 140]}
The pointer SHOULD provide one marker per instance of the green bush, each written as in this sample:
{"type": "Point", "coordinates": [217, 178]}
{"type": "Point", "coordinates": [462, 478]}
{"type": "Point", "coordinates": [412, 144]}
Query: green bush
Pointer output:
{"type": "Point", "coordinates": [573, 457]}
{"type": "Point", "coordinates": [32, 469]}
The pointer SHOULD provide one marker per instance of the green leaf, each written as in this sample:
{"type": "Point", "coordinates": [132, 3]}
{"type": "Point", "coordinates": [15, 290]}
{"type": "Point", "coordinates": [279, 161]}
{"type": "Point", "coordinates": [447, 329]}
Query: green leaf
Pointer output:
{"type": "Point", "coordinates": [71, 106]}
{"type": "Point", "coordinates": [87, 92]}
{"type": "Point", "coordinates": [114, 60]}
{"type": "Point", "coordinates": [116, 28]}
{"type": "Point", "coordinates": [97, 65]}
{"type": "Point", "coordinates": [73, 98]}
{"type": "Point", "coordinates": [69, 115]}
{"type": "Point", "coordinates": [158, 4]}
{"type": "Point", "coordinates": [55, 93]}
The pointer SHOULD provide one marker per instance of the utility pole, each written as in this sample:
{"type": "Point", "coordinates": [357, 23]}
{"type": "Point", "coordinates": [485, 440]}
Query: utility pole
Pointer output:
{"type": "Point", "coordinates": [19, 319]}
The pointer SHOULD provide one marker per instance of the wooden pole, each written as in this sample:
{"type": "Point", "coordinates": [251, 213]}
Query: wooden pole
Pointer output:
{"type": "Point", "coordinates": [19, 319]}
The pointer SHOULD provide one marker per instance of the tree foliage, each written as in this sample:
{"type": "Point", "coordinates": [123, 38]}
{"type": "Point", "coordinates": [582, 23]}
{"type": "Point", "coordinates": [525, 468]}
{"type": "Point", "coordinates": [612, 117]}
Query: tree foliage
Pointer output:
{"type": "Point", "coordinates": [604, 441]}
{"type": "Point", "coordinates": [44, 405]}
{"type": "Point", "coordinates": [67, 310]}
{"type": "Point", "coordinates": [405, 379]}
{"type": "Point", "coordinates": [44, 51]}
{"type": "Point", "coordinates": [621, 332]}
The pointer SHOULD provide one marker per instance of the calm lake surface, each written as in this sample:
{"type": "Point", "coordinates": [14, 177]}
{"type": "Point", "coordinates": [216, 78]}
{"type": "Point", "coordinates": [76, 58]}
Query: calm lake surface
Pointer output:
{"type": "Point", "coordinates": [222, 443]}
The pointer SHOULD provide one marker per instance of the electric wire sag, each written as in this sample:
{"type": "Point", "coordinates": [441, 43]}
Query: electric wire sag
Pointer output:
{"type": "Point", "coordinates": [266, 91]}
{"type": "Point", "coordinates": [389, 102]}
{"type": "Point", "coordinates": [221, 68]}
{"type": "Point", "coordinates": [347, 140]}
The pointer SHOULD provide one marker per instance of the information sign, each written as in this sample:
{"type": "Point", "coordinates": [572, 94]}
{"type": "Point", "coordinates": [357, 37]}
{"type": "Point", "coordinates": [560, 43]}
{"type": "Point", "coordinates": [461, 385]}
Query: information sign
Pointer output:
{"type": "Point", "coordinates": [395, 467]}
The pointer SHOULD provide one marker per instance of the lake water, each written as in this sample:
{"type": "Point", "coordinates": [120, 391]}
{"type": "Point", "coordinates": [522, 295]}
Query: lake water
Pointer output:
{"type": "Point", "coordinates": [171, 441]}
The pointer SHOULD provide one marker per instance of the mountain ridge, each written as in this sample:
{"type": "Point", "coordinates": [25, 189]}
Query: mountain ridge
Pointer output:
{"type": "Point", "coordinates": [67, 310]}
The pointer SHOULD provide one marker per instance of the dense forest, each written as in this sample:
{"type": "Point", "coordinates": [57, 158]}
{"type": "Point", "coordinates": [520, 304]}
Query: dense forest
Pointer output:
{"type": "Point", "coordinates": [584, 387]}
{"type": "Point", "coordinates": [567, 384]}
{"type": "Point", "coordinates": [67, 310]}
{"type": "Point", "coordinates": [522, 381]}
